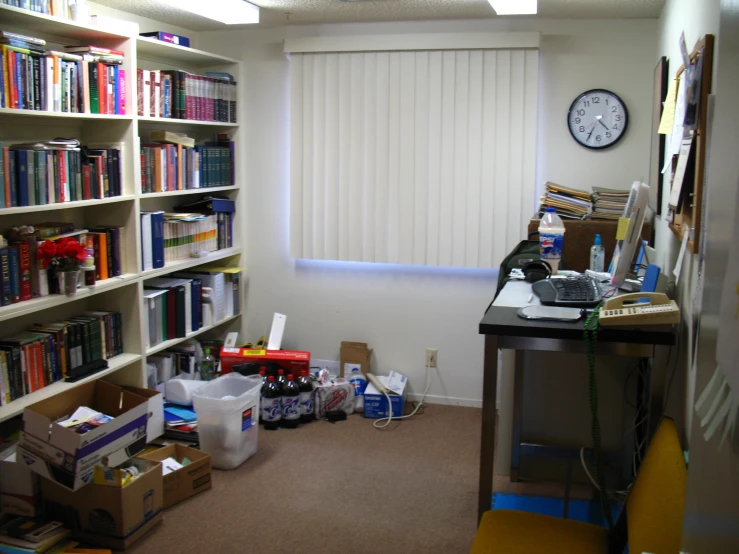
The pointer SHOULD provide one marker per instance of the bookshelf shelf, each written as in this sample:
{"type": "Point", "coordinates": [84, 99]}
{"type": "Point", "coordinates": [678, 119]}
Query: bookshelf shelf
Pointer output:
{"type": "Point", "coordinates": [17, 406]}
{"type": "Point", "coordinates": [53, 300]}
{"type": "Point", "coordinates": [66, 205]}
{"type": "Point", "coordinates": [156, 50]}
{"type": "Point", "coordinates": [39, 114]}
{"type": "Point", "coordinates": [204, 190]}
{"type": "Point", "coordinates": [38, 22]}
{"type": "Point", "coordinates": [182, 265]}
{"type": "Point", "coordinates": [172, 122]}
{"type": "Point", "coordinates": [174, 342]}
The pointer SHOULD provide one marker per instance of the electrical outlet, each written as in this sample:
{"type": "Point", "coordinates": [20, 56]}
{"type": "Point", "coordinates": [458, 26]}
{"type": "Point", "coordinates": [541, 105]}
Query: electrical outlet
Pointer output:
{"type": "Point", "coordinates": [431, 354]}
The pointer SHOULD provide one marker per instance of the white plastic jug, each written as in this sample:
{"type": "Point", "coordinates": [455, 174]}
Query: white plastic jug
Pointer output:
{"type": "Point", "coordinates": [228, 418]}
{"type": "Point", "coordinates": [551, 238]}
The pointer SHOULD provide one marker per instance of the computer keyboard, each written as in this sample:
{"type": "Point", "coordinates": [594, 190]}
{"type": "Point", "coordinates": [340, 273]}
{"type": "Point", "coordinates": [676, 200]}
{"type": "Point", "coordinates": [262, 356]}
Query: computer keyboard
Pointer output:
{"type": "Point", "coordinates": [576, 292]}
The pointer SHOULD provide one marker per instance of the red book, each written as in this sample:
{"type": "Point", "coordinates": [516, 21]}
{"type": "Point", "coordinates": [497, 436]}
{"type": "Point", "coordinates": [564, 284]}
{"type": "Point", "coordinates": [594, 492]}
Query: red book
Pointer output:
{"type": "Point", "coordinates": [6, 173]}
{"type": "Point", "coordinates": [12, 82]}
{"type": "Point", "coordinates": [143, 172]}
{"type": "Point", "coordinates": [122, 90]}
{"type": "Point", "coordinates": [63, 184]}
{"type": "Point", "coordinates": [110, 104]}
{"type": "Point", "coordinates": [103, 88]}
{"type": "Point", "coordinates": [140, 91]}
{"type": "Point", "coordinates": [94, 50]}
{"type": "Point", "coordinates": [86, 183]}
{"type": "Point", "coordinates": [24, 258]}
{"type": "Point", "coordinates": [171, 314]}
{"type": "Point", "coordinates": [171, 184]}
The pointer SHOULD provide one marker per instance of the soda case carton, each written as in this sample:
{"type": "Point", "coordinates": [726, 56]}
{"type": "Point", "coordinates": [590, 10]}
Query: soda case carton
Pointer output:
{"type": "Point", "coordinates": [105, 515]}
{"type": "Point", "coordinates": [19, 487]}
{"type": "Point", "coordinates": [68, 458]}
{"type": "Point", "coordinates": [292, 361]}
{"type": "Point", "coordinates": [187, 481]}
{"type": "Point", "coordinates": [375, 403]}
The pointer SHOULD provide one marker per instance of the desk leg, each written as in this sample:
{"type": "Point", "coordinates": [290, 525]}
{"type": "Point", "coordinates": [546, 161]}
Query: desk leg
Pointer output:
{"type": "Point", "coordinates": [517, 415]}
{"type": "Point", "coordinates": [487, 438]}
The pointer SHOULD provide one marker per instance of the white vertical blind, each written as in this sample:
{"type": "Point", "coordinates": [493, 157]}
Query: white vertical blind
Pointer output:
{"type": "Point", "coordinates": [412, 157]}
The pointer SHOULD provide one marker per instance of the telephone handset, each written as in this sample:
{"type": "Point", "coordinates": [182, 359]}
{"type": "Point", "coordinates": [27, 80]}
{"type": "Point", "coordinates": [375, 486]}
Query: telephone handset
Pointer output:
{"type": "Point", "coordinates": [659, 311]}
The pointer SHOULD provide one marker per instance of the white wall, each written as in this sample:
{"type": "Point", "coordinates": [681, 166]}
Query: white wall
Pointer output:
{"type": "Point", "coordinates": [401, 310]}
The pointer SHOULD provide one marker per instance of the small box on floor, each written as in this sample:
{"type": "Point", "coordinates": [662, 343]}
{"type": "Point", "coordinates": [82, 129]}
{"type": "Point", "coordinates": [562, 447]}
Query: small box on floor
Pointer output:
{"type": "Point", "coordinates": [105, 515]}
{"type": "Point", "coordinates": [375, 403]}
{"type": "Point", "coordinates": [18, 486]}
{"type": "Point", "coordinates": [354, 354]}
{"type": "Point", "coordinates": [68, 457]}
{"type": "Point", "coordinates": [187, 481]}
{"type": "Point", "coordinates": [250, 360]}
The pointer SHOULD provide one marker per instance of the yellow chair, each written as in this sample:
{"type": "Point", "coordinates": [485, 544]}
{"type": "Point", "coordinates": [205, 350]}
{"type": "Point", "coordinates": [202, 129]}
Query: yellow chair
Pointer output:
{"type": "Point", "coordinates": [654, 514]}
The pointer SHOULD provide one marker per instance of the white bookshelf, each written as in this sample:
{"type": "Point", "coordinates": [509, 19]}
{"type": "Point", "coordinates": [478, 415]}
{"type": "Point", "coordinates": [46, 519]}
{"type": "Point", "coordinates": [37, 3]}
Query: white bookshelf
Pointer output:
{"type": "Point", "coordinates": [124, 293]}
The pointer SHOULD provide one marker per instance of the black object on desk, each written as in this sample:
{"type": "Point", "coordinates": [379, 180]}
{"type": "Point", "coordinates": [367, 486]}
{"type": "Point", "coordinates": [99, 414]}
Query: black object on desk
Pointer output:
{"type": "Point", "coordinates": [578, 292]}
{"type": "Point", "coordinates": [503, 329]}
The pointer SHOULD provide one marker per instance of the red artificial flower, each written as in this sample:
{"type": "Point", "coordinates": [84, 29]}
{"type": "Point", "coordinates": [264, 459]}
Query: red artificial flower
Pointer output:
{"type": "Point", "coordinates": [47, 250]}
{"type": "Point", "coordinates": [70, 248]}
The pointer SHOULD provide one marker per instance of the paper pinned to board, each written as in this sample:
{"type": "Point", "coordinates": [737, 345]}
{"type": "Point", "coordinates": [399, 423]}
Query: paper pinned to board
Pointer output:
{"type": "Point", "coordinates": [682, 164]}
{"type": "Point", "coordinates": [678, 131]}
{"type": "Point", "coordinates": [681, 256]}
{"type": "Point", "coordinates": [623, 228]}
{"type": "Point", "coordinates": [684, 51]}
{"type": "Point", "coordinates": [668, 110]}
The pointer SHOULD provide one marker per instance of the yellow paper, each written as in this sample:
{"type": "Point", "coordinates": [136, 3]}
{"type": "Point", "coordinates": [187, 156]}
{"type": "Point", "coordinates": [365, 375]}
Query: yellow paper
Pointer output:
{"type": "Point", "coordinates": [623, 227]}
{"type": "Point", "coordinates": [668, 112]}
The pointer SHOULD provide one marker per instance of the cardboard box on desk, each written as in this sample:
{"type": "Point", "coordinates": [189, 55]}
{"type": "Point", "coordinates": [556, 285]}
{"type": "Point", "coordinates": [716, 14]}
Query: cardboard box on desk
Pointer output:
{"type": "Point", "coordinates": [19, 488]}
{"type": "Point", "coordinates": [354, 353]}
{"type": "Point", "coordinates": [109, 516]}
{"type": "Point", "coordinates": [68, 458]}
{"type": "Point", "coordinates": [293, 361]}
{"type": "Point", "coordinates": [375, 403]}
{"type": "Point", "coordinates": [187, 481]}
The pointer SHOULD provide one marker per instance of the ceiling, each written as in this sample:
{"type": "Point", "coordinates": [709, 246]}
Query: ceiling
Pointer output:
{"type": "Point", "coordinates": [273, 12]}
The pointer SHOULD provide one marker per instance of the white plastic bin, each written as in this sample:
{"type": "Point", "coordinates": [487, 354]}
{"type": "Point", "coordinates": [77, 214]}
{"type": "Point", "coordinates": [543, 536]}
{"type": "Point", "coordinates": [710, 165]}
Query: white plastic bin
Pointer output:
{"type": "Point", "coordinates": [228, 418]}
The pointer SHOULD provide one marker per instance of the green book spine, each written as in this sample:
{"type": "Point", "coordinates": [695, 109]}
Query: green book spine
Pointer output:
{"type": "Point", "coordinates": [94, 95]}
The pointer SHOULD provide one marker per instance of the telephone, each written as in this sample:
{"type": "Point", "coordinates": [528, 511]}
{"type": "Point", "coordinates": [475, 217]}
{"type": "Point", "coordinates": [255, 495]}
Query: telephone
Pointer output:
{"type": "Point", "coordinates": [659, 311]}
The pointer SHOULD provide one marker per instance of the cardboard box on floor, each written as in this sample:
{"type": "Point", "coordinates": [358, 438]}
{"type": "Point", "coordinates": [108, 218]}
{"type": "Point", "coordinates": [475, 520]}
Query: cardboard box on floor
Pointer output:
{"type": "Point", "coordinates": [67, 458]}
{"type": "Point", "coordinates": [354, 353]}
{"type": "Point", "coordinates": [19, 488]}
{"type": "Point", "coordinates": [155, 423]}
{"type": "Point", "coordinates": [188, 481]}
{"type": "Point", "coordinates": [105, 515]}
{"type": "Point", "coordinates": [375, 403]}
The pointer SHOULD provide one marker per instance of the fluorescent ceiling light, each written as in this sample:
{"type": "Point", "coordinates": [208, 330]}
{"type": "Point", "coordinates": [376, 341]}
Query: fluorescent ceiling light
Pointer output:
{"type": "Point", "coordinates": [514, 7]}
{"type": "Point", "coordinates": [230, 12]}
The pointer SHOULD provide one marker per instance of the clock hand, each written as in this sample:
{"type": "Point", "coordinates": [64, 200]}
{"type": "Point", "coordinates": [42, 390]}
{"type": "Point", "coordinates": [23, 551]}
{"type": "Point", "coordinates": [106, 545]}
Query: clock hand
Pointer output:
{"type": "Point", "coordinates": [591, 131]}
{"type": "Point", "coordinates": [604, 125]}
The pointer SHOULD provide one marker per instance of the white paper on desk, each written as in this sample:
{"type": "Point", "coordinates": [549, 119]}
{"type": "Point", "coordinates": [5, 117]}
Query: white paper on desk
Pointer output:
{"type": "Point", "coordinates": [679, 176]}
{"type": "Point", "coordinates": [516, 294]}
{"type": "Point", "coordinates": [681, 255]}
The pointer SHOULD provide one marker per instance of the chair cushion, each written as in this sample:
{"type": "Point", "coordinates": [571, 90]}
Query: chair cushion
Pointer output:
{"type": "Point", "coordinates": [513, 532]}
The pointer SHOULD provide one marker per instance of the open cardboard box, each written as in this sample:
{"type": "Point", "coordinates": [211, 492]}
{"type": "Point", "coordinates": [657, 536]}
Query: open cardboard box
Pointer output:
{"type": "Point", "coordinates": [105, 515]}
{"type": "Point", "coordinates": [188, 481]}
{"type": "Point", "coordinates": [68, 458]}
{"type": "Point", "coordinates": [18, 487]}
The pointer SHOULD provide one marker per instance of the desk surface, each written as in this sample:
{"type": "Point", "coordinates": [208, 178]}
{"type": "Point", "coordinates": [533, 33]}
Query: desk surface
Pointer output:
{"type": "Point", "coordinates": [502, 319]}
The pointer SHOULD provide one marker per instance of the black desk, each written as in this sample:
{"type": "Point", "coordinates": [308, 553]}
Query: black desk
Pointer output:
{"type": "Point", "coordinates": [503, 329]}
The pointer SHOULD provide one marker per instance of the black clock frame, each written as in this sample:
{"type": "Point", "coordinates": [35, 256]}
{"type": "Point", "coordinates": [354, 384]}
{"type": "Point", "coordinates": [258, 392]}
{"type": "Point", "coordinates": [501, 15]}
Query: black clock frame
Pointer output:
{"type": "Point", "coordinates": [595, 147]}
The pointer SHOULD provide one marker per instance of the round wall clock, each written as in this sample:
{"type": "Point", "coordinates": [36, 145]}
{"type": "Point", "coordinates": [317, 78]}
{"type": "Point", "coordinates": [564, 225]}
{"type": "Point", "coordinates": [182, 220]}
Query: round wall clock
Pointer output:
{"type": "Point", "coordinates": [597, 119]}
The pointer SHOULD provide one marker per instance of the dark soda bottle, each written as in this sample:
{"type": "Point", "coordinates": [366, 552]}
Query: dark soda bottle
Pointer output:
{"type": "Point", "coordinates": [290, 400]}
{"type": "Point", "coordinates": [306, 405]}
{"type": "Point", "coordinates": [271, 405]}
{"type": "Point", "coordinates": [281, 380]}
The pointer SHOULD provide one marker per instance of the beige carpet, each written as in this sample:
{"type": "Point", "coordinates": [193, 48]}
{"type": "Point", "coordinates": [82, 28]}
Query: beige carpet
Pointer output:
{"type": "Point", "coordinates": [339, 488]}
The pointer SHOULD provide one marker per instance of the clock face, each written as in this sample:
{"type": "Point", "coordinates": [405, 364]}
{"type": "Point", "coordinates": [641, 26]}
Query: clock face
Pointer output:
{"type": "Point", "coordinates": [597, 119]}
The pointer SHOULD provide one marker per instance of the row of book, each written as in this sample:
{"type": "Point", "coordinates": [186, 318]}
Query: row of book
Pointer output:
{"type": "Point", "coordinates": [82, 79]}
{"type": "Point", "coordinates": [23, 276]}
{"type": "Point", "coordinates": [183, 95]}
{"type": "Point", "coordinates": [185, 302]}
{"type": "Point", "coordinates": [175, 163]}
{"type": "Point", "coordinates": [57, 171]}
{"type": "Point", "coordinates": [57, 8]}
{"type": "Point", "coordinates": [47, 353]}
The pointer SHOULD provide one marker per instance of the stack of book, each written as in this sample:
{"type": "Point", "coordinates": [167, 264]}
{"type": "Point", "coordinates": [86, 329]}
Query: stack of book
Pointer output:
{"type": "Point", "coordinates": [609, 203]}
{"type": "Point", "coordinates": [57, 8]}
{"type": "Point", "coordinates": [174, 162]}
{"type": "Point", "coordinates": [26, 534]}
{"type": "Point", "coordinates": [23, 276]}
{"type": "Point", "coordinates": [57, 171]}
{"type": "Point", "coordinates": [183, 95]}
{"type": "Point", "coordinates": [47, 353]}
{"type": "Point", "coordinates": [82, 79]}
{"type": "Point", "coordinates": [568, 202]}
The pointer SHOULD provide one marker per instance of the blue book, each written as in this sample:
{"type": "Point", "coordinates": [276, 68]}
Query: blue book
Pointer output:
{"type": "Point", "coordinates": [22, 164]}
{"type": "Point", "coordinates": [19, 79]}
{"type": "Point", "coordinates": [157, 239]}
{"type": "Point", "coordinates": [4, 277]}
{"type": "Point", "coordinates": [116, 91]}
{"type": "Point", "coordinates": [196, 293]}
{"type": "Point", "coordinates": [15, 273]}
{"type": "Point", "coordinates": [166, 84]}
{"type": "Point", "coordinates": [2, 81]}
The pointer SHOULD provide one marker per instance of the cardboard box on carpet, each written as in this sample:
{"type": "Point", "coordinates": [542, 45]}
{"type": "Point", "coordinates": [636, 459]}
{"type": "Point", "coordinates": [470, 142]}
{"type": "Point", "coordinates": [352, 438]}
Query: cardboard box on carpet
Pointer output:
{"type": "Point", "coordinates": [155, 423]}
{"type": "Point", "coordinates": [188, 481]}
{"type": "Point", "coordinates": [106, 515]}
{"type": "Point", "coordinates": [354, 353]}
{"type": "Point", "coordinates": [375, 403]}
{"type": "Point", "coordinates": [19, 487]}
{"type": "Point", "coordinates": [293, 361]}
{"type": "Point", "coordinates": [68, 458]}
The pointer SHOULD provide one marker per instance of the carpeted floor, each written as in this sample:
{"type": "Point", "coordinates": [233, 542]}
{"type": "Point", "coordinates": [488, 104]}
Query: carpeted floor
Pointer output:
{"type": "Point", "coordinates": [339, 488]}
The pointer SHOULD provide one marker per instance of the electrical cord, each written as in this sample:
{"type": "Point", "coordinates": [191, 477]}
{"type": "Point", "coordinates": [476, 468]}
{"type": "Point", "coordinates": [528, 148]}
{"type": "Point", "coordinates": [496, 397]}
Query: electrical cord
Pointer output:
{"type": "Point", "coordinates": [591, 339]}
{"type": "Point", "coordinates": [376, 424]}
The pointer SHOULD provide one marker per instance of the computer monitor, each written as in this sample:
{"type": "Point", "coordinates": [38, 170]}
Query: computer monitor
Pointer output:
{"type": "Point", "coordinates": [635, 210]}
